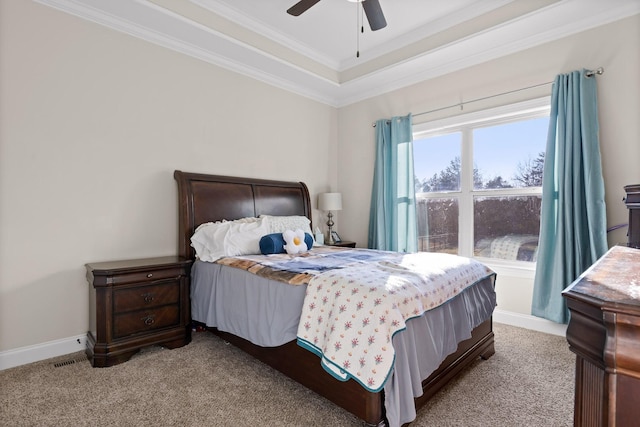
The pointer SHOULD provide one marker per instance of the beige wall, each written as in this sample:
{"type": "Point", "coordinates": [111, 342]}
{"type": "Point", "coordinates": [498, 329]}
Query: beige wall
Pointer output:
{"type": "Point", "coordinates": [92, 125]}
{"type": "Point", "coordinates": [616, 47]}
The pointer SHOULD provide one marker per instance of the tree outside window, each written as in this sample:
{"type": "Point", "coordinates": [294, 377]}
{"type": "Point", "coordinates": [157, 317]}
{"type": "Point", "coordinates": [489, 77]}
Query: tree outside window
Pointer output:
{"type": "Point", "coordinates": [479, 187]}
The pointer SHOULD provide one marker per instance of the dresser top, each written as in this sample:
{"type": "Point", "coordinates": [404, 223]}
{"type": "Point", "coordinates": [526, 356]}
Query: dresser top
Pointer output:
{"type": "Point", "coordinates": [111, 267]}
{"type": "Point", "coordinates": [633, 195]}
{"type": "Point", "coordinates": [614, 279]}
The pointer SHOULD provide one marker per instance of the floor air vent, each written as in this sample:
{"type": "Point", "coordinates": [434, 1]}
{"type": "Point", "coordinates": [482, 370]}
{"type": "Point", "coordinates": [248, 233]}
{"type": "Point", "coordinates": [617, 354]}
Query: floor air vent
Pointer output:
{"type": "Point", "coordinates": [65, 363]}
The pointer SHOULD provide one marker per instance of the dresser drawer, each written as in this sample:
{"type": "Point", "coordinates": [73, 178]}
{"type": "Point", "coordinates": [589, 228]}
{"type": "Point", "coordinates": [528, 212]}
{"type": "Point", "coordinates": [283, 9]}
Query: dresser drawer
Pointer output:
{"type": "Point", "coordinates": [145, 320]}
{"type": "Point", "coordinates": [142, 297]}
{"type": "Point", "coordinates": [146, 276]}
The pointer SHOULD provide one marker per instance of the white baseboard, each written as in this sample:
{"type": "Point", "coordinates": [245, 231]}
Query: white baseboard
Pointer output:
{"type": "Point", "coordinates": [47, 350]}
{"type": "Point", "coordinates": [529, 322]}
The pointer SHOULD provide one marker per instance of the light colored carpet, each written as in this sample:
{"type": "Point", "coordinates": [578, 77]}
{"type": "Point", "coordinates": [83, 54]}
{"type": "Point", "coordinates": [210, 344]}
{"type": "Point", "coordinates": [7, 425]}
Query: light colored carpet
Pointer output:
{"type": "Point", "coordinates": [528, 382]}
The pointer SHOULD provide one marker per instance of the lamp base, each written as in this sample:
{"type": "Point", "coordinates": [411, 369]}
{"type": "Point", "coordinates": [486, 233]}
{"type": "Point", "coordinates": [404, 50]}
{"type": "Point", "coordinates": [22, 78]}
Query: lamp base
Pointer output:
{"type": "Point", "coordinates": [330, 224]}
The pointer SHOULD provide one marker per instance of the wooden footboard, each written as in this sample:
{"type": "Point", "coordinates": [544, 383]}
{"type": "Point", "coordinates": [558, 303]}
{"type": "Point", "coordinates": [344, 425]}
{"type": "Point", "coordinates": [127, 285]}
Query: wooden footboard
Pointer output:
{"type": "Point", "coordinates": [304, 367]}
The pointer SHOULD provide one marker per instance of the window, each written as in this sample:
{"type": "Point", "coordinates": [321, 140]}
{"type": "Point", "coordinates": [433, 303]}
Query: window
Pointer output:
{"type": "Point", "coordinates": [479, 182]}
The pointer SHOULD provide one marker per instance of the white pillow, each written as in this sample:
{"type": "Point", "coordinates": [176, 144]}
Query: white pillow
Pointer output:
{"type": "Point", "coordinates": [280, 224]}
{"type": "Point", "coordinates": [235, 221]}
{"type": "Point", "coordinates": [228, 238]}
{"type": "Point", "coordinates": [244, 238]}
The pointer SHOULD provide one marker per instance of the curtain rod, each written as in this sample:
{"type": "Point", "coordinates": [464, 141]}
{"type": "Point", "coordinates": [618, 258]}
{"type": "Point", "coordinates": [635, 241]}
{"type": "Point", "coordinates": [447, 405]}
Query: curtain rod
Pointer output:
{"type": "Point", "coordinates": [589, 73]}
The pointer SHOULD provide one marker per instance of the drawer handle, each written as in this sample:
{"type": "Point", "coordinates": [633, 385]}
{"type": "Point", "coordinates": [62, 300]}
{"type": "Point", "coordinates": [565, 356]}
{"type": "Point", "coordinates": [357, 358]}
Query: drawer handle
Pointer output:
{"type": "Point", "coordinates": [148, 320]}
{"type": "Point", "coordinates": [150, 275]}
{"type": "Point", "coordinates": [148, 297]}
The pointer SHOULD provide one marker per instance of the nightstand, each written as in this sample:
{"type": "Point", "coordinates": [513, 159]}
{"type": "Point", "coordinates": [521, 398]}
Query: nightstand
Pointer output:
{"type": "Point", "coordinates": [344, 244]}
{"type": "Point", "coordinates": [137, 303]}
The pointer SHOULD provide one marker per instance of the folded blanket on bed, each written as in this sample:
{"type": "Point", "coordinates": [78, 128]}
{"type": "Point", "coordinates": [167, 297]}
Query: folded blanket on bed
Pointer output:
{"type": "Point", "coordinates": [299, 269]}
{"type": "Point", "coordinates": [357, 299]}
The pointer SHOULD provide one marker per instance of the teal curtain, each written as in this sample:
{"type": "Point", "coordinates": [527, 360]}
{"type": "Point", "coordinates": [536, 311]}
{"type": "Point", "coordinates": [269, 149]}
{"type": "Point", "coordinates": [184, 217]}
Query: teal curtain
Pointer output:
{"type": "Point", "coordinates": [392, 220]}
{"type": "Point", "coordinates": [573, 215]}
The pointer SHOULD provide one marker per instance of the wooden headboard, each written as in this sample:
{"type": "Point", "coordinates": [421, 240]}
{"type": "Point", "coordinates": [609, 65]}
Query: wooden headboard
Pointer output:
{"type": "Point", "coordinates": [204, 198]}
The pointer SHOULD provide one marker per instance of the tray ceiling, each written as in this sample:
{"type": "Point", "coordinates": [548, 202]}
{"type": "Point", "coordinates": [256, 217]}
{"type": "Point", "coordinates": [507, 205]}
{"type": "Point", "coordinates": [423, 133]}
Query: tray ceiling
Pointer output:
{"type": "Point", "coordinates": [314, 54]}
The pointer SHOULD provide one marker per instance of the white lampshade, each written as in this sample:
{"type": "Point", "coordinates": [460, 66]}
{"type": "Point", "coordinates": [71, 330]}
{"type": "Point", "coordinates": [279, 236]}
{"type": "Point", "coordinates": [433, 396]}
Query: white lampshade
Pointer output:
{"type": "Point", "coordinates": [330, 201]}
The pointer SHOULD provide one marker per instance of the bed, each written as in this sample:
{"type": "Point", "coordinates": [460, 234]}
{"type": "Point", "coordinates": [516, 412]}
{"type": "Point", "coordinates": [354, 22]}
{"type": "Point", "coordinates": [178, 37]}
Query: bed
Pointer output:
{"type": "Point", "coordinates": [207, 198]}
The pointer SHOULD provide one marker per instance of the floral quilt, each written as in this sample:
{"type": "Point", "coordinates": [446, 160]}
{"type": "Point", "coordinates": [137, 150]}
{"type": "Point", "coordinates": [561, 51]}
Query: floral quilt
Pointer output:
{"type": "Point", "coordinates": [351, 314]}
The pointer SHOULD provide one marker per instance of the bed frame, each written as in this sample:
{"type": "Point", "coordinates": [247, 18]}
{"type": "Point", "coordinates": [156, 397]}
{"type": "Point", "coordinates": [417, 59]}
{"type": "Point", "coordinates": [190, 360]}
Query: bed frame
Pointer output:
{"type": "Point", "coordinates": [203, 198]}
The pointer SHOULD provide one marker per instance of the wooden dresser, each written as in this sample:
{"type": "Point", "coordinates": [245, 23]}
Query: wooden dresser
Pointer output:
{"type": "Point", "coordinates": [136, 303]}
{"type": "Point", "coordinates": [604, 333]}
{"type": "Point", "coordinates": [632, 200]}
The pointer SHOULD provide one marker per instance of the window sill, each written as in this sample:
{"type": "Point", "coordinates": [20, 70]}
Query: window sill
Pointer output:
{"type": "Point", "coordinates": [521, 269]}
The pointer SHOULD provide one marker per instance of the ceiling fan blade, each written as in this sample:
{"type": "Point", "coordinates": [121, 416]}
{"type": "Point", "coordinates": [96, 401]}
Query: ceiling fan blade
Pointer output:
{"type": "Point", "coordinates": [300, 7]}
{"type": "Point", "coordinates": [374, 14]}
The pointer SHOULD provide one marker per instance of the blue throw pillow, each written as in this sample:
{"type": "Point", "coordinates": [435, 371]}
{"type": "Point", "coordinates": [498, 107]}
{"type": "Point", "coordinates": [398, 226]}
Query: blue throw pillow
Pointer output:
{"type": "Point", "coordinates": [274, 243]}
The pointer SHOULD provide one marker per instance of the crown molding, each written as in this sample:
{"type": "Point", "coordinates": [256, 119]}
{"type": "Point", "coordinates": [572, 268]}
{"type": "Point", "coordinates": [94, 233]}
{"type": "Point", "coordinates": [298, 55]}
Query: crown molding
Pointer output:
{"type": "Point", "coordinates": [149, 22]}
{"type": "Point", "coordinates": [441, 24]}
{"type": "Point", "coordinates": [474, 10]}
{"type": "Point", "coordinates": [271, 33]}
{"type": "Point", "coordinates": [534, 29]}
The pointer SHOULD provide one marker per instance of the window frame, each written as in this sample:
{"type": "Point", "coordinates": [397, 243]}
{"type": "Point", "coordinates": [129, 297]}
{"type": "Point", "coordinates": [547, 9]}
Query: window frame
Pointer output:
{"type": "Point", "coordinates": [465, 124]}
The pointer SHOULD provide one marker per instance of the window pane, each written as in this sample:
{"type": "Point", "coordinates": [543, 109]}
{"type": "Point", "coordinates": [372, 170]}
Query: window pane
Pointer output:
{"type": "Point", "coordinates": [438, 225]}
{"type": "Point", "coordinates": [437, 163]}
{"type": "Point", "coordinates": [510, 155]}
{"type": "Point", "coordinates": [507, 227]}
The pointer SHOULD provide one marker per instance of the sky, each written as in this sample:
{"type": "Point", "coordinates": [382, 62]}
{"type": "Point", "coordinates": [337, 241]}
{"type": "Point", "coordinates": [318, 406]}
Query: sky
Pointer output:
{"type": "Point", "coordinates": [497, 149]}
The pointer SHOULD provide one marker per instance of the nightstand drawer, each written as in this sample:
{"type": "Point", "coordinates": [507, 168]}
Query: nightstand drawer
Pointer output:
{"type": "Point", "coordinates": [146, 276]}
{"type": "Point", "coordinates": [145, 320]}
{"type": "Point", "coordinates": [142, 297]}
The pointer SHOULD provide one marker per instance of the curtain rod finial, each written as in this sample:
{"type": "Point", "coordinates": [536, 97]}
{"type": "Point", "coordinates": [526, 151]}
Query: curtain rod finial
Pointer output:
{"type": "Point", "coordinates": [597, 71]}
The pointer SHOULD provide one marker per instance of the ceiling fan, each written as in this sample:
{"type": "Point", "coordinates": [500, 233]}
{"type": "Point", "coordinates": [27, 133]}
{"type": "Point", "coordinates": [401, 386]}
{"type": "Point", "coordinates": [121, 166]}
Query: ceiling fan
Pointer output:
{"type": "Point", "coordinates": [371, 8]}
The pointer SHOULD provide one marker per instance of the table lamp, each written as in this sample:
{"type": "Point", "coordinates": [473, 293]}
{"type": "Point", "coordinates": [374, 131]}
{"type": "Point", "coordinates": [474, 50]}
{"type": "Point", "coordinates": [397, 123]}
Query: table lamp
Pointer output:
{"type": "Point", "coordinates": [330, 202]}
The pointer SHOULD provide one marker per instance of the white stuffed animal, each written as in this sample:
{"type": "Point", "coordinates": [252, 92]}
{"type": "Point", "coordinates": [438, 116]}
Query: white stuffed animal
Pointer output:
{"type": "Point", "coordinates": [294, 241]}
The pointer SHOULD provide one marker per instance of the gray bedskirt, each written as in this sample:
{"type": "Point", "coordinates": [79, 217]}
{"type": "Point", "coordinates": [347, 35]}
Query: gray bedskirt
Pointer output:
{"type": "Point", "coordinates": [267, 313]}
